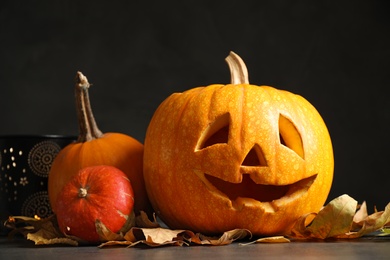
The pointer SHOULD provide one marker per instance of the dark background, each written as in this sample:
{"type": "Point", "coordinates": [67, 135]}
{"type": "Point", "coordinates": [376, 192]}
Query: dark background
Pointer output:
{"type": "Point", "coordinates": [136, 53]}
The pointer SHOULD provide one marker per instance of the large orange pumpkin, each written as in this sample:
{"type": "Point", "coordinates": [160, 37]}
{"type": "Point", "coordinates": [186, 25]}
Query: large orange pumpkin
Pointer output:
{"type": "Point", "coordinates": [232, 156]}
{"type": "Point", "coordinates": [96, 148]}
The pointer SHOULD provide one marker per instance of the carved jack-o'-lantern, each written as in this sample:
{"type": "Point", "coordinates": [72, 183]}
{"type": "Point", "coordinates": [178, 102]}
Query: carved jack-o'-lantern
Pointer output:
{"type": "Point", "coordinates": [237, 156]}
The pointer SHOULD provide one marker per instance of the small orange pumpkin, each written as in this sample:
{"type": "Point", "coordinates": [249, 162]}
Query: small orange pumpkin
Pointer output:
{"type": "Point", "coordinates": [222, 157]}
{"type": "Point", "coordinates": [95, 148]}
{"type": "Point", "coordinates": [96, 193]}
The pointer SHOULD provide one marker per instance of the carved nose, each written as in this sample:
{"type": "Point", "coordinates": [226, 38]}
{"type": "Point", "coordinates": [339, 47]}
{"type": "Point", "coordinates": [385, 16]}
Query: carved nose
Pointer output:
{"type": "Point", "coordinates": [255, 157]}
{"type": "Point", "coordinates": [256, 164]}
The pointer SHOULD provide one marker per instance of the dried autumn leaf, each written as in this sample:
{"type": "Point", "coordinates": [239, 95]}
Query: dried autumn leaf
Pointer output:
{"type": "Point", "coordinates": [300, 228]}
{"type": "Point", "coordinates": [371, 223]}
{"type": "Point", "coordinates": [40, 231]}
{"type": "Point", "coordinates": [25, 225]}
{"type": "Point", "coordinates": [160, 235]}
{"type": "Point", "coordinates": [116, 243]}
{"type": "Point", "coordinates": [40, 238]}
{"type": "Point", "coordinates": [333, 220]}
{"type": "Point", "coordinates": [275, 239]}
{"type": "Point", "coordinates": [360, 216]}
{"type": "Point", "coordinates": [154, 236]}
{"type": "Point", "coordinates": [143, 221]}
{"type": "Point", "coordinates": [227, 237]}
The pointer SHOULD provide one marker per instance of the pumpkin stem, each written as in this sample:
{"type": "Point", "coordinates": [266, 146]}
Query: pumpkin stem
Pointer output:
{"type": "Point", "coordinates": [88, 129]}
{"type": "Point", "coordinates": [238, 70]}
{"type": "Point", "coordinates": [83, 192]}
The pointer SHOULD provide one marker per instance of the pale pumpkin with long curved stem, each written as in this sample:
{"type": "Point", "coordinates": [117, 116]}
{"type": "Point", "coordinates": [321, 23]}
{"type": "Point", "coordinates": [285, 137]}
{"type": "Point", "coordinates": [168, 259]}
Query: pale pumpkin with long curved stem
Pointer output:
{"type": "Point", "coordinates": [96, 148]}
{"type": "Point", "coordinates": [222, 157]}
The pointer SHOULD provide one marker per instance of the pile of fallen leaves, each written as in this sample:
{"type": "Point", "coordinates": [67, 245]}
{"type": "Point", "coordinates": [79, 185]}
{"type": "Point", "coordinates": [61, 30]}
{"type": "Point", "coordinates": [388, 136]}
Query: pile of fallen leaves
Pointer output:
{"type": "Point", "coordinates": [342, 218]}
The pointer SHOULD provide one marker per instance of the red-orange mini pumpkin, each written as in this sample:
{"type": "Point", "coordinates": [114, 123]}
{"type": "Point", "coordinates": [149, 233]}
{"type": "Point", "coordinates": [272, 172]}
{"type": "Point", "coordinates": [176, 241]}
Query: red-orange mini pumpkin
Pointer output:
{"type": "Point", "coordinates": [101, 193]}
{"type": "Point", "coordinates": [232, 156]}
{"type": "Point", "coordinates": [95, 148]}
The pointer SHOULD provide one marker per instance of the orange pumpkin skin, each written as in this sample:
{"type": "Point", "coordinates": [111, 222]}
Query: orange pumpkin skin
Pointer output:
{"type": "Point", "coordinates": [101, 193]}
{"type": "Point", "coordinates": [222, 157]}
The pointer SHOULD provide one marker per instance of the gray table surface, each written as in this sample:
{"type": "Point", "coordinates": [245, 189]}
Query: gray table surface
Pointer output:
{"type": "Point", "coordinates": [366, 248]}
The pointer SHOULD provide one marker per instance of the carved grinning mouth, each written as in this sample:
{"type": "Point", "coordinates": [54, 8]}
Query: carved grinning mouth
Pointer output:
{"type": "Point", "coordinates": [247, 188]}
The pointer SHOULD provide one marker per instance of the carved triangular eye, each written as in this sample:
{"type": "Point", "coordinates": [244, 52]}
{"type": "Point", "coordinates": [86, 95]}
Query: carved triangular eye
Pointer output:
{"type": "Point", "coordinates": [216, 133]}
{"type": "Point", "coordinates": [289, 136]}
{"type": "Point", "coordinates": [255, 157]}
